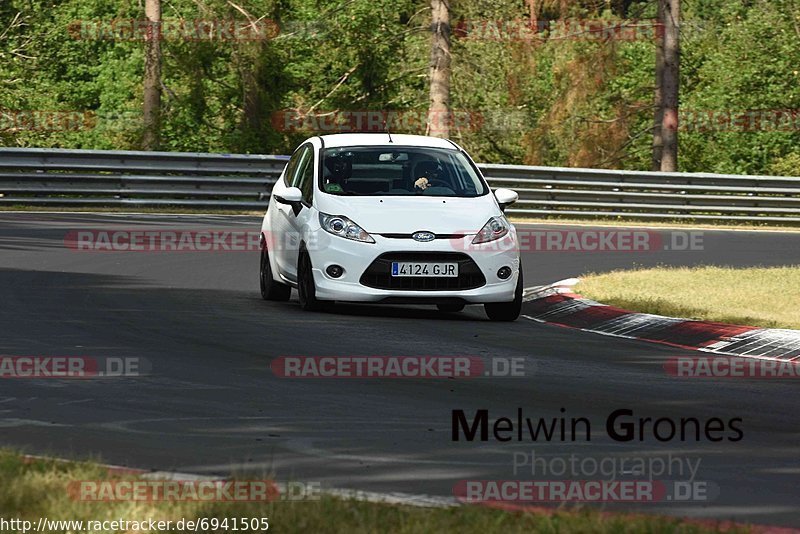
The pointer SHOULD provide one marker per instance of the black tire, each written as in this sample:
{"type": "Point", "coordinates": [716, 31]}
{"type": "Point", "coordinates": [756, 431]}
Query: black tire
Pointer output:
{"type": "Point", "coordinates": [506, 311]}
{"type": "Point", "coordinates": [270, 289]}
{"type": "Point", "coordinates": [451, 307]}
{"type": "Point", "coordinates": [306, 290]}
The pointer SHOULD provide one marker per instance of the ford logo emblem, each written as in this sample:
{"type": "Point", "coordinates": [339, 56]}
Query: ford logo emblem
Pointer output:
{"type": "Point", "coordinates": [423, 236]}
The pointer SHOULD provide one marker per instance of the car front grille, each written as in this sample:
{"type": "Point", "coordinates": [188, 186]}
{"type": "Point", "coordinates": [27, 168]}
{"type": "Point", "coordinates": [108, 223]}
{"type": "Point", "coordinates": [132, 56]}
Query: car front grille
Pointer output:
{"type": "Point", "coordinates": [409, 236]}
{"type": "Point", "coordinates": [379, 274]}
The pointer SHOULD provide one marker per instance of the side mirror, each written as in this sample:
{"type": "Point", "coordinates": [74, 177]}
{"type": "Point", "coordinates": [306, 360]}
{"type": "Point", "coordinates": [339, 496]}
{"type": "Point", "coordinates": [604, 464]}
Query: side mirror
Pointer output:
{"type": "Point", "coordinates": [293, 197]}
{"type": "Point", "coordinates": [505, 197]}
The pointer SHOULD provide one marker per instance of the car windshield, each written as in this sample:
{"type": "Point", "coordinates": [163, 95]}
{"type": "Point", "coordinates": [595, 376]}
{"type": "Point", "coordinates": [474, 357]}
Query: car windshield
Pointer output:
{"type": "Point", "coordinates": [403, 171]}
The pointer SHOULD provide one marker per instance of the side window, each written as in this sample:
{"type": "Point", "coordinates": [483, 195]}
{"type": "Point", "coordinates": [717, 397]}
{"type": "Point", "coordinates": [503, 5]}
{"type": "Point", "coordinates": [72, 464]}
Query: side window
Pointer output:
{"type": "Point", "coordinates": [304, 178]}
{"type": "Point", "coordinates": [294, 178]}
{"type": "Point", "coordinates": [288, 174]}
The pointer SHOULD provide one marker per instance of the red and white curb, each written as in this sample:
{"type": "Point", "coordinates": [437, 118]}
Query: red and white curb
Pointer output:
{"type": "Point", "coordinates": [557, 304]}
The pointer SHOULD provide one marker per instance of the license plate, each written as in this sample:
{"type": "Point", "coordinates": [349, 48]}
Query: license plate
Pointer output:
{"type": "Point", "coordinates": [436, 270]}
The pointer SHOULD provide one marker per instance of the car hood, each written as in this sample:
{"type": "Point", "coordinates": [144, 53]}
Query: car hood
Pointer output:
{"type": "Point", "coordinates": [401, 214]}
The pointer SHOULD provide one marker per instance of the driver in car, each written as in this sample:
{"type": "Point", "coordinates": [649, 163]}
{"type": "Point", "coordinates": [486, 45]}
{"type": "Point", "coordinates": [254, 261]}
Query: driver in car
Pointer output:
{"type": "Point", "coordinates": [340, 168]}
{"type": "Point", "coordinates": [427, 172]}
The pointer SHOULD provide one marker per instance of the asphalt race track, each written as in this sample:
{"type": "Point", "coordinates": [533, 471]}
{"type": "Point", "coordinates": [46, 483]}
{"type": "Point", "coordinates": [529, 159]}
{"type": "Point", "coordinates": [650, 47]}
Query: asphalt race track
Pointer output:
{"type": "Point", "coordinates": [213, 406]}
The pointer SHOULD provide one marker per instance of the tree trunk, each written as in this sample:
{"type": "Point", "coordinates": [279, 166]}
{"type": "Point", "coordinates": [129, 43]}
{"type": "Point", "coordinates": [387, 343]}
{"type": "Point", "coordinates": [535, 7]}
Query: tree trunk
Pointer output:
{"type": "Point", "coordinates": [251, 93]}
{"type": "Point", "coordinates": [152, 76]}
{"type": "Point", "coordinates": [439, 116]}
{"type": "Point", "coordinates": [669, 122]}
{"type": "Point", "coordinates": [533, 14]}
{"type": "Point", "coordinates": [659, 100]}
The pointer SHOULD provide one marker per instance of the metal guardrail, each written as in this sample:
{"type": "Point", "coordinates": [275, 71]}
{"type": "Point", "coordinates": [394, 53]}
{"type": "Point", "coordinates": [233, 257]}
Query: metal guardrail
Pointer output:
{"type": "Point", "coordinates": [234, 181]}
{"type": "Point", "coordinates": [576, 192]}
{"type": "Point", "coordinates": [121, 178]}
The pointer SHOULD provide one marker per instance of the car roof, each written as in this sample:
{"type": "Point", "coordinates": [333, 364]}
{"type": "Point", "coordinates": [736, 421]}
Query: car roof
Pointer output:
{"type": "Point", "coordinates": [379, 139]}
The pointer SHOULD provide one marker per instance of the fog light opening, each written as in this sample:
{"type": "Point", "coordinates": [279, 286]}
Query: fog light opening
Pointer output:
{"type": "Point", "coordinates": [334, 271]}
{"type": "Point", "coordinates": [503, 273]}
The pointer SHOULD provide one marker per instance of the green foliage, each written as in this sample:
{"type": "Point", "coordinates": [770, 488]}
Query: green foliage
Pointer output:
{"type": "Point", "coordinates": [546, 99]}
{"type": "Point", "coordinates": [788, 165]}
{"type": "Point", "coordinates": [749, 63]}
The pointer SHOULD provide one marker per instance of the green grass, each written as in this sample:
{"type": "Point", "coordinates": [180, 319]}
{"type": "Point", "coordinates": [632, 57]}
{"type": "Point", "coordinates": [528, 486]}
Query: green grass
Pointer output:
{"type": "Point", "coordinates": [29, 490]}
{"type": "Point", "coordinates": [766, 297]}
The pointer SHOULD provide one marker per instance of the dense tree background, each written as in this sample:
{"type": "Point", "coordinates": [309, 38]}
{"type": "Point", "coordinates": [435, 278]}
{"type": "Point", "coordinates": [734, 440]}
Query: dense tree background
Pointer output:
{"type": "Point", "coordinates": [548, 100]}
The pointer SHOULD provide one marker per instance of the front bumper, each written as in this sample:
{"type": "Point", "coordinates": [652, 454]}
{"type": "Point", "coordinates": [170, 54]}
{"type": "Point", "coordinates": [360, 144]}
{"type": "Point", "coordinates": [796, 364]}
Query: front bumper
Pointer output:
{"type": "Point", "coordinates": [356, 257]}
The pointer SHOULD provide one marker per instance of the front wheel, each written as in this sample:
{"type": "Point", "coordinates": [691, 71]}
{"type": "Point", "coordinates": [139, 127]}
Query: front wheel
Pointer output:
{"type": "Point", "coordinates": [270, 289]}
{"type": "Point", "coordinates": [506, 311]}
{"type": "Point", "coordinates": [306, 289]}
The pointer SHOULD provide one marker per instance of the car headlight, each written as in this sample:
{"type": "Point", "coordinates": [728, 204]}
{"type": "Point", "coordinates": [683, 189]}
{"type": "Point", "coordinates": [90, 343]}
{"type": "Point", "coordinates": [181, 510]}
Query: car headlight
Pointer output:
{"type": "Point", "coordinates": [344, 227]}
{"type": "Point", "coordinates": [495, 228]}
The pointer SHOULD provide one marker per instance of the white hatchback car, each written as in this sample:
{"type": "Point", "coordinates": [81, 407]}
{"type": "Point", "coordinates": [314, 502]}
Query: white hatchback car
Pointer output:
{"type": "Point", "coordinates": [402, 219]}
